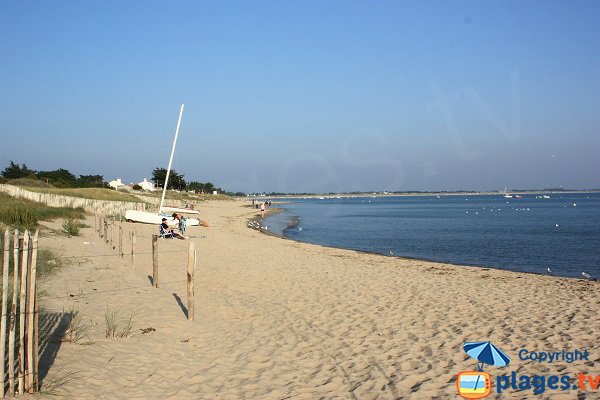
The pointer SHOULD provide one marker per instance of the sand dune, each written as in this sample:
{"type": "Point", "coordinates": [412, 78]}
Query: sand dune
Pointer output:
{"type": "Point", "coordinates": [277, 319]}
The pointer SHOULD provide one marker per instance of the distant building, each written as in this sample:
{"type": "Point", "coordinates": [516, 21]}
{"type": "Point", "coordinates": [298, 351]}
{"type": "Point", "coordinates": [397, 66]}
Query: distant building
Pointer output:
{"type": "Point", "coordinates": [149, 186]}
{"type": "Point", "coordinates": [215, 192]}
{"type": "Point", "coordinates": [116, 183]}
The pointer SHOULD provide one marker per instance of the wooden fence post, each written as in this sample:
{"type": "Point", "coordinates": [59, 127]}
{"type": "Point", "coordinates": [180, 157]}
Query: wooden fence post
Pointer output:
{"type": "Point", "coordinates": [31, 300]}
{"type": "Point", "coordinates": [23, 295]}
{"type": "Point", "coordinates": [36, 347]}
{"type": "Point", "coordinates": [133, 240]}
{"type": "Point", "coordinates": [5, 267]}
{"type": "Point", "coordinates": [120, 240]}
{"type": "Point", "coordinates": [112, 233]}
{"type": "Point", "coordinates": [105, 231]}
{"type": "Point", "coordinates": [13, 316]}
{"type": "Point", "coordinates": [155, 260]}
{"type": "Point", "coordinates": [190, 280]}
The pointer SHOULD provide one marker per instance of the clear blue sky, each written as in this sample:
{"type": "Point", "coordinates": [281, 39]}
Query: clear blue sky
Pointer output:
{"type": "Point", "coordinates": [312, 96]}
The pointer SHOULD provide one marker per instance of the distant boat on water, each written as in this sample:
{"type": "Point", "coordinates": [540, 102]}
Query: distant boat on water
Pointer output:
{"type": "Point", "coordinates": [506, 195]}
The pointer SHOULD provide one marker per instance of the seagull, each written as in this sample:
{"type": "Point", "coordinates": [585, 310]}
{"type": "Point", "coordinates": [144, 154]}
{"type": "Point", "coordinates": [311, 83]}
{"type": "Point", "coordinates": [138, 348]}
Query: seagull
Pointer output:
{"type": "Point", "coordinates": [556, 225]}
{"type": "Point", "coordinates": [586, 275]}
{"type": "Point", "coordinates": [549, 271]}
{"type": "Point", "coordinates": [391, 253]}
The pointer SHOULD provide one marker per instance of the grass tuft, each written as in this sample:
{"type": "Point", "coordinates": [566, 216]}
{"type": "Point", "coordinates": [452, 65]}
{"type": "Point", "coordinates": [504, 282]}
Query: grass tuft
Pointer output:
{"type": "Point", "coordinates": [48, 262]}
{"type": "Point", "coordinates": [76, 330]}
{"type": "Point", "coordinates": [25, 214]}
{"type": "Point", "coordinates": [116, 328]}
{"type": "Point", "coordinates": [71, 227]}
{"type": "Point", "coordinates": [19, 216]}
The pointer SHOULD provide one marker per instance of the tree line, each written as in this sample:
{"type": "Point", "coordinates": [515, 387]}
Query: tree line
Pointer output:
{"type": "Point", "coordinates": [177, 182]}
{"type": "Point", "coordinates": [62, 178]}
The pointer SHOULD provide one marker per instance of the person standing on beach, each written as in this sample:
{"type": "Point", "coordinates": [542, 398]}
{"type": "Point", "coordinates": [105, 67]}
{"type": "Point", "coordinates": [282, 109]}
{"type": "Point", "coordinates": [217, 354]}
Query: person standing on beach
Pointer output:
{"type": "Point", "coordinates": [262, 210]}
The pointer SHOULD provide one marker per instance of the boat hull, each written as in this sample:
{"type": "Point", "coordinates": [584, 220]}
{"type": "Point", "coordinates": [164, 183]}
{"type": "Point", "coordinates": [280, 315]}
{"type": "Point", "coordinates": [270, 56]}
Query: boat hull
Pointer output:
{"type": "Point", "coordinates": [180, 210]}
{"type": "Point", "coordinates": [154, 218]}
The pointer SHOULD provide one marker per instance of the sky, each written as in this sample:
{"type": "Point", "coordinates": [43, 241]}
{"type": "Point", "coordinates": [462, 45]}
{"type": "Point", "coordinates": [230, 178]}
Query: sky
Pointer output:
{"type": "Point", "coordinates": [306, 96]}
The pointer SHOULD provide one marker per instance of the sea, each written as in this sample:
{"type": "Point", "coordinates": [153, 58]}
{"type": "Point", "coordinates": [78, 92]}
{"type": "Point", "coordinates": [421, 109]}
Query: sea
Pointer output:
{"type": "Point", "coordinates": [527, 234]}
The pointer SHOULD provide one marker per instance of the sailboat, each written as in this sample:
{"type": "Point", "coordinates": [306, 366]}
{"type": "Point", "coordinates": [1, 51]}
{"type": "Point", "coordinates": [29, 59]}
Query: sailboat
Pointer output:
{"type": "Point", "coordinates": [164, 212]}
{"type": "Point", "coordinates": [506, 195]}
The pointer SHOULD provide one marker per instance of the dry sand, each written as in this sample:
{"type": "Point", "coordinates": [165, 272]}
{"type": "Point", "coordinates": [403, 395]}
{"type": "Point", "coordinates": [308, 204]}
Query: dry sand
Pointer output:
{"type": "Point", "coordinates": [277, 319]}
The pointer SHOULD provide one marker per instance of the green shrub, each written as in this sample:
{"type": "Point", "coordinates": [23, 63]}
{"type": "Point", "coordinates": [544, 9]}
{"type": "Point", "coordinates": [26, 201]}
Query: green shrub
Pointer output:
{"type": "Point", "coordinates": [71, 227]}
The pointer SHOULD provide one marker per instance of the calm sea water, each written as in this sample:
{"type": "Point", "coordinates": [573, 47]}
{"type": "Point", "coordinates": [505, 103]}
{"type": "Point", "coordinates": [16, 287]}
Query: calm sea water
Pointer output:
{"type": "Point", "coordinates": [528, 234]}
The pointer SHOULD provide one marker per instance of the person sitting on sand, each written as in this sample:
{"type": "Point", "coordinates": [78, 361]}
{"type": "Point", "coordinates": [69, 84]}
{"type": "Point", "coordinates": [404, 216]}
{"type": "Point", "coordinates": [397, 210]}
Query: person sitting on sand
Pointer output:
{"type": "Point", "coordinates": [170, 230]}
{"type": "Point", "coordinates": [262, 210]}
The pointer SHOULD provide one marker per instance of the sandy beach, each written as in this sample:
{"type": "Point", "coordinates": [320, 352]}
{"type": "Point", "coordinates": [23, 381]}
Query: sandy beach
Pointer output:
{"type": "Point", "coordinates": [277, 319]}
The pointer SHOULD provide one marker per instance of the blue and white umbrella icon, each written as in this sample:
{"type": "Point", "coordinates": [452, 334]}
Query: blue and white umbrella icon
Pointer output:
{"type": "Point", "coordinates": [486, 353]}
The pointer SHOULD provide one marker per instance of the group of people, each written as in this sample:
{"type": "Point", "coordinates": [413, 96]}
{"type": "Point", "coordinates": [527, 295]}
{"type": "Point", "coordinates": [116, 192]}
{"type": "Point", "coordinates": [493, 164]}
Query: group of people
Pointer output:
{"type": "Point", "coordinates": [263, 206]}
{"type": "Point", "coordinates": [177, 230]}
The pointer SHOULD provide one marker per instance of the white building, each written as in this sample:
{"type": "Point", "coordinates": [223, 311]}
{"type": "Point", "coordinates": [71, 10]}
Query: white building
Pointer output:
{"type": "Point", "coordinates": [149, 186]}
{"type": "Point", "coordinates": [116, 183]}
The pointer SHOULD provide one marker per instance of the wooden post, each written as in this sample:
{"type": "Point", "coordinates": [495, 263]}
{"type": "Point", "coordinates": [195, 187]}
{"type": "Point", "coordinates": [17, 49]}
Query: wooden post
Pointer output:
{"type": "Point", "coordinates": [36, 347]}
{"type": "Point", "coordinates": [112, 233]}
{"type": "Point", "coordinates": [133, 240]}
{"type": "Point", "coordinates": [22, 299]}
{"type": "Point", "coordinates": [31, 298]}
{"type": "Point", "coordinates": [4, 300]}
{"type": "Point", "coordinates": [190, 280]}
{"type": "Point", "coordinates": [105, 231]}
{"type": "Point", "coordinates": [155, 260]}
{"type": "Point", "coordinates": [121, 240]}
{"type": "Point", "coordinates": [100, 226]}
{"type": "Point", "coordinates": [95, 222]}
{"type": "Point", "coordinates": [13, 317]}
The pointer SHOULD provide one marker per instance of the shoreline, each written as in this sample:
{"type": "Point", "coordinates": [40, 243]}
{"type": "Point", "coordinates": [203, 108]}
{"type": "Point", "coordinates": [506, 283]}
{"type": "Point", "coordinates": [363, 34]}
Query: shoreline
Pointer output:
{"type": "Point", "coordinates": [472, 265]}
{"type": "Point", "coordinates": [411, 194]}
{"type": "Point", "coordinates": [480, 267]}
{"type": "Point", "coordinates": [281, 318]}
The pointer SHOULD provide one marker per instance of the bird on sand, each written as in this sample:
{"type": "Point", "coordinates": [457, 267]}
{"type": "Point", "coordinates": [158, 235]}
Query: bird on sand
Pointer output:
{"type": "Point", "coordinates": [586, 275]}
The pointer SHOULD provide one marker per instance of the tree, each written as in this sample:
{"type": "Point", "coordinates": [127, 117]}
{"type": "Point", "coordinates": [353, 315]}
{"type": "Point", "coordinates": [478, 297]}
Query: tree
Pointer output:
{"type": "Point", "coordinates": [196, 186]}
{"type": "Point", "coordinates": [176, 181]}
{"type": "Point", "coordinates": [90, 181]}
{"type": "Point", "coordinates": [59, 178]}
{"type": "Point", "coordinates": [209, 187]}
{"type": "Point", "coordinates": [16, 171]}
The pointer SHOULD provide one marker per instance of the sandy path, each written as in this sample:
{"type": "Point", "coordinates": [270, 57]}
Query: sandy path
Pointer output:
{"type": "Point", "coordinates": [278, 319]}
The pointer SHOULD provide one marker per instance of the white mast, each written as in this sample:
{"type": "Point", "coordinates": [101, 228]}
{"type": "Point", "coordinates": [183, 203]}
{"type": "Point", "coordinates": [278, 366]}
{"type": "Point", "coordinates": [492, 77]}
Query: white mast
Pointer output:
{"type": "Point", "coordinates": [162, 200]}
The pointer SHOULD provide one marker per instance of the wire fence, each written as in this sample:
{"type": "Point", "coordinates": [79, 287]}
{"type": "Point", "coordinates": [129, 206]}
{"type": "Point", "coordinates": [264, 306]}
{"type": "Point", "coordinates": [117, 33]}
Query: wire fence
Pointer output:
{"type": "Point", "coordinates": [19, 330]}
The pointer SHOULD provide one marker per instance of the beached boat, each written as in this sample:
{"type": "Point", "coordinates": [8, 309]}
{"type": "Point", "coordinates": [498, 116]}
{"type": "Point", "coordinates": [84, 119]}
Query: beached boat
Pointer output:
{"type": "Point", "coordinates": [163, 211]}
{"type": "Point", "coordinates": [180, 210]}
